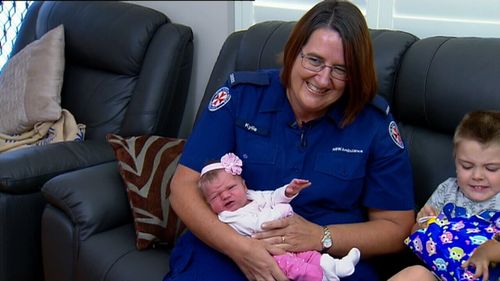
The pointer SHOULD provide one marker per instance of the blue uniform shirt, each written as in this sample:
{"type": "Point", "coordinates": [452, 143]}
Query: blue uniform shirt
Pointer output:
{"type": "Point", "coordinates": [363, 165]}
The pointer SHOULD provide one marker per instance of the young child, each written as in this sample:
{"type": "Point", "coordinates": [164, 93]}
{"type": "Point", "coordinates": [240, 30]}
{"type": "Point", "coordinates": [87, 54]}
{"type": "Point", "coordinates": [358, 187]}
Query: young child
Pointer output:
{"type": "Point", "coordinates": [245, 210]}
{"type": "Point", "coordinates": [475, 189]}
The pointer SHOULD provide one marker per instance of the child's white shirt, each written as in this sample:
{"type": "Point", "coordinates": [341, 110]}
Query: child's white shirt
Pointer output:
{"type": "Point", "coordinates": [449, 192]}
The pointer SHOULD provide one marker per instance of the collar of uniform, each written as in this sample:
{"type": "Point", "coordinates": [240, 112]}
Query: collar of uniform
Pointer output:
{"type": "Point", "coordinates": [279, 102]}
{"type": "Point", "coordinates": [275, 98]}
{"type": "Point", "coordinates": [336, 112]}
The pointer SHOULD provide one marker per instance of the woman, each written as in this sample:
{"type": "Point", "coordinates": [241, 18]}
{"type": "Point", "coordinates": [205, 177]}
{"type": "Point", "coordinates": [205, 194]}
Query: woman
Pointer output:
{"type": "Point", "coordinates": [313, 119]}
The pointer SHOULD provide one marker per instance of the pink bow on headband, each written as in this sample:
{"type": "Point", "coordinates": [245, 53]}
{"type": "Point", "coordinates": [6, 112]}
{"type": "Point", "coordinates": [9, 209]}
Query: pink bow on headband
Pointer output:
{"type": "Point", "coordinates": [232, 163]}
{"type": "Point", "coordinates": [229, 162]}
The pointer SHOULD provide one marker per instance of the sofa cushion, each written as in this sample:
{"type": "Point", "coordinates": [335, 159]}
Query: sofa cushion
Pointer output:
{"type": "Point", "coordinates": [31, 82]}
{"type": "Point", "coordinates": [111, 256]}
{"type": "Point", "coordinates": [146, 165]}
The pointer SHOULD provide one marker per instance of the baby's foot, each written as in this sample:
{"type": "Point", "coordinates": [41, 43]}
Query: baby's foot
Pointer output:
{"type": "Point", "coordinates": [353, 256]}
{"type": "Point", "coordinates": [335, 268]}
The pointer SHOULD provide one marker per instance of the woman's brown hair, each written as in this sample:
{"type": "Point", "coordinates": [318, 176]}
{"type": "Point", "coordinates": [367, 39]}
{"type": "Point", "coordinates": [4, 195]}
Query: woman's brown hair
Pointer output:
{"type": "Point", "coordinates": [346, 19]}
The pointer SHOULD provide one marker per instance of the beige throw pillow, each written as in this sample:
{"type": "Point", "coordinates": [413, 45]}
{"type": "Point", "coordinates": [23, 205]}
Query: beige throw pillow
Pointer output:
{"type": "Point", "coordinates": [31, 82]}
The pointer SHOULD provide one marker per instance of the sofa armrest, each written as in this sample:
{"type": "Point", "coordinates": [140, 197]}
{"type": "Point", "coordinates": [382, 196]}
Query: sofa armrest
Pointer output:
{"type": "Point", "coordinates": [94, 198]}
{"type": "Point", "coordinates": [26, 170]}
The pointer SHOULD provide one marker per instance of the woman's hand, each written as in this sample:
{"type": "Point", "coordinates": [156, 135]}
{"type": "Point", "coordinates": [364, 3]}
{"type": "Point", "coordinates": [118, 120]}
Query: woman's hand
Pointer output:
{"type": "Point", "coordinates": [293, 234]}
{"type": "Point", "coordinates": [383, 233]}
{"type": "Point", "coordinates": [255, 260]}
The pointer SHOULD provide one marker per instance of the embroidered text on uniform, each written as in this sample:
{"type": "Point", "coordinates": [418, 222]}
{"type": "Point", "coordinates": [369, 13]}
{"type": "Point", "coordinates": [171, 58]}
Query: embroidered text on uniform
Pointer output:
{"type": "Point", "coordinates": [348, 150]}
{"type": "Point", "coordinates": [250, 127]}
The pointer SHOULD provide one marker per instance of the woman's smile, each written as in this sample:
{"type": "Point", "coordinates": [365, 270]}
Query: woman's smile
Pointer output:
{"type": "Point", "coordinates": [314, 89]}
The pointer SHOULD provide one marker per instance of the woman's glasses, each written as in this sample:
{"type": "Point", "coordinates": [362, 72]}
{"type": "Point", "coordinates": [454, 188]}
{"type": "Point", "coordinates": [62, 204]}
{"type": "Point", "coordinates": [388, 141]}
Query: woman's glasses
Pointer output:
{"type": "Point", "coordinates": [315, 64]}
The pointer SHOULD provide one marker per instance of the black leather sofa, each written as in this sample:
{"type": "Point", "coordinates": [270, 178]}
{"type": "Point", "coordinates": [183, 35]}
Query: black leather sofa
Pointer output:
{"type": "Point", "coordinates": [127, 71]}
{"type": "Point", "coordinates": [430, 83]}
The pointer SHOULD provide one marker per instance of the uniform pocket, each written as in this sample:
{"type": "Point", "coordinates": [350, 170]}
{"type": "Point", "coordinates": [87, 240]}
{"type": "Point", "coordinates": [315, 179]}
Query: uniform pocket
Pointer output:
{"type": "Point", "coordinates": [259, 152]}
{"type": "Point", "coordinates": [346, 166]}
{"type": "Point", "coordinates": [254, 147]}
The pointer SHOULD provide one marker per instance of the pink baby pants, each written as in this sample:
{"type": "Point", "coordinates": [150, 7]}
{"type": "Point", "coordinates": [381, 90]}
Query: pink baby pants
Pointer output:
{"type": "Point", "coordinates": [302, 266]}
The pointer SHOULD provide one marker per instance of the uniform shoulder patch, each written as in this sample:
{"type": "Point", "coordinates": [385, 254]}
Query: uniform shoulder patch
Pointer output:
{"type": "Point", "coordinates": [395, 135]}
{"type": "Point", "coordinates": [219, 99]}
{"type": "Point", "coordinates": [249, 77]}
{"type": "Point", "coordinates": [381, 104]}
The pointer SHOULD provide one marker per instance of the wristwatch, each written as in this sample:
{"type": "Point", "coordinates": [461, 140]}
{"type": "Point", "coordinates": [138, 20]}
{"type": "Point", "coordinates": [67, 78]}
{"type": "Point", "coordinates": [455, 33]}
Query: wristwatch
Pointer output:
{"type": "Point", "coordinates": [326, 241]}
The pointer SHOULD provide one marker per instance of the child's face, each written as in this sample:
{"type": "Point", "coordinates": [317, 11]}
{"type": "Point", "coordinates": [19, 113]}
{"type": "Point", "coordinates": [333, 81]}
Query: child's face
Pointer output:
{"type": "Point", "coordinates": [225, 193]}
{"type": "Point", "coordinates": [478, 169]}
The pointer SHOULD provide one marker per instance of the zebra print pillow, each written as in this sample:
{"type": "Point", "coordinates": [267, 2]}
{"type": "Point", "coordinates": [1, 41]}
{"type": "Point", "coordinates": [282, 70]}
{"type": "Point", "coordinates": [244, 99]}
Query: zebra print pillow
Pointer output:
{"type": "Point", "coordinates": [146, 165]}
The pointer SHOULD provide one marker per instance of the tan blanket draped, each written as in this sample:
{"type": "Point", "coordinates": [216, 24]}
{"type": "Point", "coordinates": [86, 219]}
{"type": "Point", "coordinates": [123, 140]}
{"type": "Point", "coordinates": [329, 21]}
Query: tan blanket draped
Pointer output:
{"type": "Point", "coordinates": [63, 129]}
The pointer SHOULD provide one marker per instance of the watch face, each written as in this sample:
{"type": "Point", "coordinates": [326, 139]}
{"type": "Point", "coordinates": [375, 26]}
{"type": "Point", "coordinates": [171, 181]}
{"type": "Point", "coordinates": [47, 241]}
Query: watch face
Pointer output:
{"type": "Point", "coordinates": [327, 243]}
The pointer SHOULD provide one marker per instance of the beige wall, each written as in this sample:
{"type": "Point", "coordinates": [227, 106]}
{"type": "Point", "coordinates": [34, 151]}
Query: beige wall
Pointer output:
{"type": "Point", "coordinates": [211, 22]}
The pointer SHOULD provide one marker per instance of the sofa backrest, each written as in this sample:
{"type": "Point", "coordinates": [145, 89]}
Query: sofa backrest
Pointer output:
{"type": "Point", "coordinates": [440, 80]}
{"type": "Point", "coordinates": [130, 82]}
{"type": "Point", "coordinates": [260, 46]}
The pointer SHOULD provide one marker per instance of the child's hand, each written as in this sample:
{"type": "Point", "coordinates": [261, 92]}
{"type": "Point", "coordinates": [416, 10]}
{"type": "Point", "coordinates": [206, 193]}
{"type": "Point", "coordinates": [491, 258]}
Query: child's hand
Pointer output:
{"type": "Point", "coordinates": [295, 186]}
{"type": "Point", "coordinates": [424, 215]}
{"type": "Point", "coordinates": [481, 258]}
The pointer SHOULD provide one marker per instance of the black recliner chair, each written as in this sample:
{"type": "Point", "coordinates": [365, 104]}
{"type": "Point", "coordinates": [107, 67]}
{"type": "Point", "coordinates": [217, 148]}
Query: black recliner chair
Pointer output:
{"type": "Point", "coordinates": [127, 71]}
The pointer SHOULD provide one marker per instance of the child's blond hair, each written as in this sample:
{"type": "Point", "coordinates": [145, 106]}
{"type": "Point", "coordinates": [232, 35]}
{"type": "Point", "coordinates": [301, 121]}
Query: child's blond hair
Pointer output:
{"type": "Point", "coordinates": [480, 126]}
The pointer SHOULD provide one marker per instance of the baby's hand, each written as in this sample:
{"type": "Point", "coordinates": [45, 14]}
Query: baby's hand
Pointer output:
{"type": "Point", "coordinates": [295, 186]}
{"type": "Point", "coordinates": [301, 182]}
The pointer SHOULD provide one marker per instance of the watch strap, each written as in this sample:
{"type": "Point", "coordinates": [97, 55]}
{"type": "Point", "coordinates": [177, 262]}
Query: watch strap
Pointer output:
{"type": "Point", "coordinates": [326, 241]}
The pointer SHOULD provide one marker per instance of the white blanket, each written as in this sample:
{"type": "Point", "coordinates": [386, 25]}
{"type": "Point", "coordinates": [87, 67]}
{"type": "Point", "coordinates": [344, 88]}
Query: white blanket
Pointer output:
{"type": "Point", "coordinates": [63, 129]}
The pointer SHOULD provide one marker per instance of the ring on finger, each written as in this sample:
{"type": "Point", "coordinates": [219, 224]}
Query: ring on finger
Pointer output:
{"type": "Point", "coordinates": [283, 239]}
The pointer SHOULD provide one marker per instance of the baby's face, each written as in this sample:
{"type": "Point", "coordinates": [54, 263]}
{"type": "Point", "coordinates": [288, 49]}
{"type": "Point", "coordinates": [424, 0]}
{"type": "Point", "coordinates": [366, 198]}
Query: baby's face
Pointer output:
{"type": "Point", "coordinates": [478, 169]}
{"type": "Point", "coordinates": [225, 193]}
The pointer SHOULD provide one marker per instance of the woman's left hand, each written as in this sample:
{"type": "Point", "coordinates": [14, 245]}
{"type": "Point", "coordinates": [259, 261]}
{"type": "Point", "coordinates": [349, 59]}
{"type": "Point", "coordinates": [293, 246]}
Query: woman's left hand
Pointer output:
{"type": "Point", "coordinates": [293, 233]}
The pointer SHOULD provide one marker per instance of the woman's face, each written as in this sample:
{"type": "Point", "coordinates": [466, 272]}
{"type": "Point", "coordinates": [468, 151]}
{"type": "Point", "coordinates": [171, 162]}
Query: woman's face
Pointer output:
{"type": "Point", "coordinates": [478, 169]}
{"type": "Point", "coordinates": [311, 93]}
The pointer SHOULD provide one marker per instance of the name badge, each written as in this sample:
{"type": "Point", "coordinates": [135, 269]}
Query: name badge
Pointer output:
{"type": "Point", "coordinates": [252, 128]}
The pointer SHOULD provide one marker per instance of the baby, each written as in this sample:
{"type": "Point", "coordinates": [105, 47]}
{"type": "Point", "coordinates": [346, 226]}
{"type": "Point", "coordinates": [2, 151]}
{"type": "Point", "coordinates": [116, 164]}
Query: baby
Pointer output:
{"type": "Point", "coordinates": [245, 210]}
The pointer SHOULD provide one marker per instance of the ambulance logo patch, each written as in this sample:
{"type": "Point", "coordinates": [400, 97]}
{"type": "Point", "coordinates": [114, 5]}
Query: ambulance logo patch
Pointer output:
{"type": "Point", "coordinates": [395, 135]}
{"type": "Point", "coordinates": [219, 99]}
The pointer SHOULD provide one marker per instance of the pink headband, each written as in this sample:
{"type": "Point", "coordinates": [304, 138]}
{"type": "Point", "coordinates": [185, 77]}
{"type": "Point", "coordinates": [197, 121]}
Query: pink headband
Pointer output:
{"type": "Point", "coordinates": [229, 162]}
